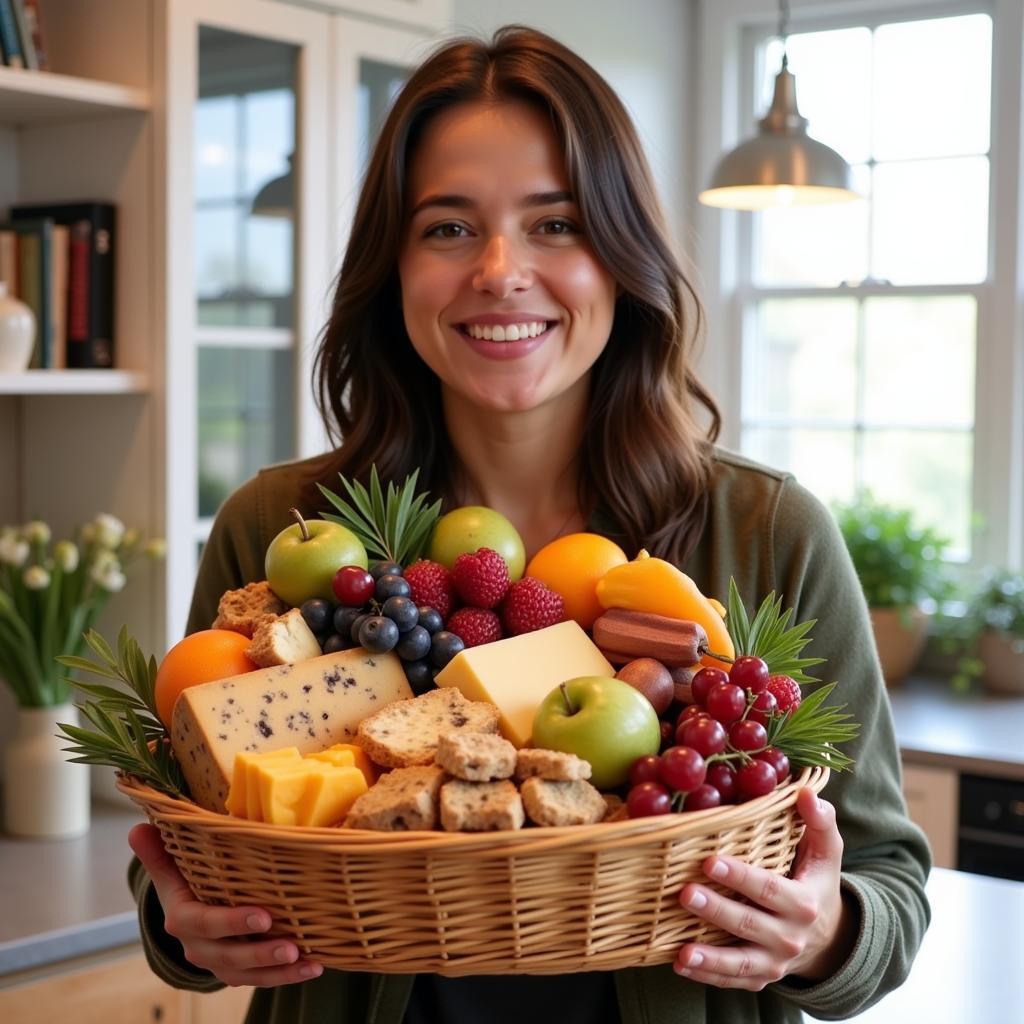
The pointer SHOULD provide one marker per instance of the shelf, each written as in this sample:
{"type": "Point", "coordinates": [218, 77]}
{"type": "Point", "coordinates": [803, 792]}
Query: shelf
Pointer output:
{"type": "Point", "coordinates": [74, 382]}
{"type": "Point", "coordinates": [34, 97]}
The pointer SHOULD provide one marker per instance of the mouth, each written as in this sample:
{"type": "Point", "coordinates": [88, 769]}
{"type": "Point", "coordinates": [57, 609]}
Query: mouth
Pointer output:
{"type": "Point", "coordinates": [525, 331]}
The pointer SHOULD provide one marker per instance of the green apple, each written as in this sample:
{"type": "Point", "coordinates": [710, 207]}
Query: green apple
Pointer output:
{"type": "Point", "coordinates": [475, 526]}
{"type": "Point", "coordinates": [303, 558]}
{"type": "Point", "coordinates": [603, 720]}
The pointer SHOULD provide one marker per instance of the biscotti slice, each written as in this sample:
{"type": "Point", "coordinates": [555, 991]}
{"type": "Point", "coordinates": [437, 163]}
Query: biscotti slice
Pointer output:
{"type": "Point", "coordinates": [400, 801]}
{"type": "Point", "coordinates": [242, 610]}
{"type": "Point", "coordinates": [476, 756]}
{"type": "Point", "coordinates": [615, 808]}
{"type": "Point", "coordinates": [562, 803]}
{"type": "Point", "coordinates": [405, 733]}
{"type": "Point", "coordinates": [283, 641]}
{"type": "Point", "coordinates": [550, 764]}
{"type": "Point", "coordinates": [481, 806]}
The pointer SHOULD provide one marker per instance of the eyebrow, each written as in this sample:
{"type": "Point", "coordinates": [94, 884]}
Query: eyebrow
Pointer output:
{"type": "Point", "coordinates": [465, 203]}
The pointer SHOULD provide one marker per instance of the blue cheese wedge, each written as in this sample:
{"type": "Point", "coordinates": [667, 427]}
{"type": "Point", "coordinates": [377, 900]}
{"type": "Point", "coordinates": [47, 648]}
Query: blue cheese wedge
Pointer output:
{"type": "Point", "coordinates": [310, 705]}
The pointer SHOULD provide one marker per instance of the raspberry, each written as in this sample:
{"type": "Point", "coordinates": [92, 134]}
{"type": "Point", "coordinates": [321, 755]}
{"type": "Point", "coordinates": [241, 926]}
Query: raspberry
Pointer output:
{"type": "Point", "coordinates": [530, 605]}
{"type": "Point", "coordinates": [481, 578]}
{"type": "Point", "coordinates": [475, 626]}
{"type": "Point", "coordinates": [786, 691]}
{"type": "Point", "coordinates": [431, 584]}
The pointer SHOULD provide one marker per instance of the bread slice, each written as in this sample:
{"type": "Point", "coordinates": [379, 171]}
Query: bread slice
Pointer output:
{"type": "Point", "coordinates": [405, 732]}
{"type": "Point", "coordinates": [399, 801]}
{"type": "Point", "coordinates": [244, 609]}
{"type": "Point", "coordinates": [481, 806]}
{"type": "Point", "coordinates": [550, 764]}
{"type": "Point", "coordinates": [562, 803]}
{"type": "Point", "coordinates": [476, 756]}
{"type": "Point", "coordinates": [283, 641]}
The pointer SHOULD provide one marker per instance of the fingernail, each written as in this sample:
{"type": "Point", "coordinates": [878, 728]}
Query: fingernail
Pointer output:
{"type": "Point", "coordinates": [257, 922]}
{"type": "Point", "coordinates": [696, 959]}
{"type": "Point", "coordinates": [311, 970]}
{"type": "Point", "coordinates": [696, 900]}
{"type": "Point", "coordinates": [283, 955]}
{"type": "Point", "coordinates": [719, 869]}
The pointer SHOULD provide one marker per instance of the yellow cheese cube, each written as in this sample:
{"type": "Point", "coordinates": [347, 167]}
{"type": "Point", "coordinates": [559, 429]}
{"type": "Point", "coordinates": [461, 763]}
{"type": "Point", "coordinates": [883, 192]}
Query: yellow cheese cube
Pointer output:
{"type": "Point", "coordinates": [343, 754]}
{"type": "Point", "coordinates": [282, 787]}
{"type": "Point", "coordinates": [517, 673]}
{"type": "Point", "coordinates": [244, 798]}
{"type": "Point", "coordinates": [330, 792]}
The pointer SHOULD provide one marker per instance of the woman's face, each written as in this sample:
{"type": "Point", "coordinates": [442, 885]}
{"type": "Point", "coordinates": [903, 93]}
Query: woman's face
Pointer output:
{"type": "Point", "coordinates": [501, 293]}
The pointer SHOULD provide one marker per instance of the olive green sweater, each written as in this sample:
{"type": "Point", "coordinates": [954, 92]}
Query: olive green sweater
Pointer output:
{"type": "Point", "coordinates": [770, 534]}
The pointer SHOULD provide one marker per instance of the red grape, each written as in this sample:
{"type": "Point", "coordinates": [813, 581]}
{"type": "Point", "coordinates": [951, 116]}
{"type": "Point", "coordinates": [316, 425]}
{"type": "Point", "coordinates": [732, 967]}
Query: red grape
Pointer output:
{"type": "Point", "coordinates": [777, 759]}
{"type": "Point", "coordinates": [682, 769]}
{"type": "Point", "coordinates": [703, 680]}
{"type": "Point", "coordinates": [647, 799]}
{"type": "Point", "coordinates": [692, 711]}
{"type": "Point", "coordinates": [748, 735]}
{"type": "Point", "coordinates": [353, 586]}
{"type": "Point", "coordinates": [706, 736]}
{"type": "Point", "coordinates": [726, 702]}
{"type": "Point", "coordinates": [668, 733]}
{"type": "Point", "coordinates": [763, 707]}
{"type": "Point", "coordinates": [756, 778]}
{"type": "Point", "coordinates": [723, 778]}
{"type": "Point", "coordinates": [645, 769]}
{"type": "Point", "coordinates": [702, 798]}
{"type": "Point", "coordinates": [750, 673]}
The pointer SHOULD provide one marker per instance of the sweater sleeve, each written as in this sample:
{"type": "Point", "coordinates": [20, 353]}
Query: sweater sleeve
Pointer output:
{"type": "Point", "coordinates": [886, 857]}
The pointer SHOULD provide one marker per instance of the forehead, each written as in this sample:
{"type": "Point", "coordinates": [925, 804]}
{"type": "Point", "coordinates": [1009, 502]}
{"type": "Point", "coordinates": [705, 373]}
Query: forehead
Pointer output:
{"type": "Point", "coordinates": [474, 145]}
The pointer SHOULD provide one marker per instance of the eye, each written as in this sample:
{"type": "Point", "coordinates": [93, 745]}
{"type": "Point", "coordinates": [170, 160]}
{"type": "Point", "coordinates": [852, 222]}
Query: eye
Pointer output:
{"type": "Point", "coordinates": [449, 229]}
{"type": "Point", "coordinates": [558, 226]}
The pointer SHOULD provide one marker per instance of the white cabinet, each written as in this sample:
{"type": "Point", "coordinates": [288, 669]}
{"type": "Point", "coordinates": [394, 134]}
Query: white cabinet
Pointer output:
{"type": "Point", "coordinates": [933, 800]}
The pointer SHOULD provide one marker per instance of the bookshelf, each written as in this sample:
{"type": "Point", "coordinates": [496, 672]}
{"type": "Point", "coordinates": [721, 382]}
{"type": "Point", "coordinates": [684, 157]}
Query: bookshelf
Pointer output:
{"type": "Point", "coordinates": [38, 97]}
{"type": "Point", "coordinates": [74, 382]}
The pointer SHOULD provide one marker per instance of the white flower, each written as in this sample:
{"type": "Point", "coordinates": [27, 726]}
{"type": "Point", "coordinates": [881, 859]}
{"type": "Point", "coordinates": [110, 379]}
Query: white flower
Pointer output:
{"type": "Point", "coordinates": [102, 561]}
{"type": "Point", "coordinates": [156, 548]}
{"type": "Point", "coordinates": [13, 551]}
{"type": "Point", "coordinates": [65, 553]}
{"type": "Point", "coordinates": [110, 578]}
{"type": "Point", "coordinates": [109, 530]}
{"type": "Point", "coordinates": [37, 532]}
{"type": "Point", "coordinates": [35, 577]}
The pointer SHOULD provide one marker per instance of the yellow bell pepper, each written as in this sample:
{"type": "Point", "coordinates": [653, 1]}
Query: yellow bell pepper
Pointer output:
{"type": "Point", "coordinates": [653, 585]}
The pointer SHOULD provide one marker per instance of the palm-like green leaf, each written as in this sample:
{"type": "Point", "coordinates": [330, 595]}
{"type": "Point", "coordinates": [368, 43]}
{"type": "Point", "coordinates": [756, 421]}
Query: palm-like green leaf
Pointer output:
{"type": "Point", "coordinates": [808, 734]}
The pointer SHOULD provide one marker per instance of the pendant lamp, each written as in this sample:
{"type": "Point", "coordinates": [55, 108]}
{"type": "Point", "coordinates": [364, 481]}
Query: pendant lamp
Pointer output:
{"type": "Point", "coordinates": [782, 165]}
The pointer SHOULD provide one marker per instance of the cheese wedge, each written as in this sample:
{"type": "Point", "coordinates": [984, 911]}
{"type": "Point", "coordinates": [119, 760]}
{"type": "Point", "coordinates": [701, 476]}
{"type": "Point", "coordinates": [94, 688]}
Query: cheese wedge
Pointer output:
{"type": "Point", "coordinates": [310, 705]}
{"type": "Point", "coordinates": [345, 754]}
{"type": "Point", "coordinates": [517, 673]}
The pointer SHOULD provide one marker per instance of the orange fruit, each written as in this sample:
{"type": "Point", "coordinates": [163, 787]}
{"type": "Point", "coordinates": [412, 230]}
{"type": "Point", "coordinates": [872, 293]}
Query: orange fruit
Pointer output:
{"type": "Point", "coordinates": [200, 658]}
{"type": "Point", "coordinates": [571, 566]}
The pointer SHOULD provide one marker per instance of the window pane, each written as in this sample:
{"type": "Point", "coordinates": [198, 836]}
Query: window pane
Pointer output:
{"type": "Point", "coordinates": [929, 471]}
{"type": "Point", "coordinates": [269, 137]}
{"type": "Point", "coordinates": [822, 460]}
{"type": "Point", "coordinates": [216, 129]}
{"type": "Point", "coordinates": [378, 85]}
{"type": "Point", "coordinates": [930, 221]}
{"type": "Point", "coordinates": [799, 344]}
{"type": "Point", "coordinates": [217, 253]}
{"type": "Point", "coordinates": [931, 88]}
{"type": "Point", "coordinates": [246, 416]}
{"type": "Point", "coordinates": [814, 245]}
{"type": "Point", "coordinates": [919, 361]}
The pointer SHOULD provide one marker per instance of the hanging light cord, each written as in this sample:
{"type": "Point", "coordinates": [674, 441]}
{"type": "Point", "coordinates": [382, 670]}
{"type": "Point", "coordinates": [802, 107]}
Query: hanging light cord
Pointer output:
{"type": "Point", "coordinates": [784, 28]}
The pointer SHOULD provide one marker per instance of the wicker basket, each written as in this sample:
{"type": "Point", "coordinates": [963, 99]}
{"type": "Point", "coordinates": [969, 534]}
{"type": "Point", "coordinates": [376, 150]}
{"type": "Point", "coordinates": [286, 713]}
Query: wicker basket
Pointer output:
{"type": "Point", "coordinates": [536, 901]}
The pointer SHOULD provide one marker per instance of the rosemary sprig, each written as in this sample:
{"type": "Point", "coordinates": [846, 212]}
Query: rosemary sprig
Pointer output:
{"type": "Point", "coordinates": [125, 723]}
{"type": "Point", "coordinates": [808, 734]}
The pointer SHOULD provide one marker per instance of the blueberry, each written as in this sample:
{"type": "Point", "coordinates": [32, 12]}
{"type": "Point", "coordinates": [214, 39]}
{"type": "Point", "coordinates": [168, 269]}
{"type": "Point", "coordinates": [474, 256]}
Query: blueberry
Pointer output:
{"type": "Point", "coordinates": [335, 643]}
{"type": "Point", "coordinates": [378, 569]}
{"type": "Point", "coordinates": [357, 625]}
{"type": "Point", "coordinates": [317, 613]}
{"type": "Point", "coordinates": [402, 612]}
{"type": "Point", "coordinates": [391, 585]}
{"type": "Point", "coordinates": [378, 634]}
{"type": "Point", "coordinates": [444, 646]}
{"type": "Point", "coordinates": [413, 645]}
{"type": "Point", "coordinates": [344, 617]}
{"type": "Point", "coordinates": [430, 619]}
{"type": "Point", "coordinates": [420, 675]}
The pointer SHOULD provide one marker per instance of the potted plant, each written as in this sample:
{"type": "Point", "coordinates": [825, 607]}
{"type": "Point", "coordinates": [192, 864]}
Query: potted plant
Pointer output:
{"type": "Point", "coordinates": [902, 573]}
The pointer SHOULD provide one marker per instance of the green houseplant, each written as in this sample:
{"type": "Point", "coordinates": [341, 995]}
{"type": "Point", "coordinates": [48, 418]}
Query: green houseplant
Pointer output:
{"type": "Point", "coordinates": [902, 572]}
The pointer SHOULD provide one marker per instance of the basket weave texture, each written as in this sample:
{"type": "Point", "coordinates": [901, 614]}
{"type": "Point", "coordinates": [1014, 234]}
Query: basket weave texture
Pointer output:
{"type": "Point", "coordinates": [535, 901]}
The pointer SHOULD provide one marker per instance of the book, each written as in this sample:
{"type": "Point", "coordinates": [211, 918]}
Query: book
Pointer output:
{"type": "Point", "coordinates": [28, 48]}
{"type": "Point", "coordinates": [9, 36]}
{"type": "Point", "coordinates": [9, 259]}
{"type": "Point", "coordinates": [59, 264]}
{"type": "Point", "coordinates": [34, 24]}
{"type": "Point", "coordinates": [91, 256]}
{"type": "Point", "coordinates": [35, 247]}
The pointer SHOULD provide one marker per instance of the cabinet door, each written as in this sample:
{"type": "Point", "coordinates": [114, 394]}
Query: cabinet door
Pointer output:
{"type": "Point", "coordinates": [228, 1006]}
{"type": "Point", "coordinates": [932, 796]}
{"type": "Point", "coordinates": [122, 990]}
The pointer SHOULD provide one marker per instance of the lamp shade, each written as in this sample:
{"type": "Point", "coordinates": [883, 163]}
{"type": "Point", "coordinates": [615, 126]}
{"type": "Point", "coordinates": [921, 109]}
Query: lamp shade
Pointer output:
{"type": "Point", "coordinates": [277, 197]}
{"type": "Point", "coordinates": [782, 165]}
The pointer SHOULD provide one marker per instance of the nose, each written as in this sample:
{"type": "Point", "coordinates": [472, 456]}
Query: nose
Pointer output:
{"type": "Point", "coordinates": [503, 269]}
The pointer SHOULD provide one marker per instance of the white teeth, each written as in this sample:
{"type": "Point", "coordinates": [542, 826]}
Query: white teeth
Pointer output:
{"type": "Point", "coordinates": [509, 332]}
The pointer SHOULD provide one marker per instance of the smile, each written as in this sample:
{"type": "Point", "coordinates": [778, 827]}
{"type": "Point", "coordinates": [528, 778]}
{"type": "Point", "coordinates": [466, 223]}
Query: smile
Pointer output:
{"type": "Point", "coordinates": [506, 332]}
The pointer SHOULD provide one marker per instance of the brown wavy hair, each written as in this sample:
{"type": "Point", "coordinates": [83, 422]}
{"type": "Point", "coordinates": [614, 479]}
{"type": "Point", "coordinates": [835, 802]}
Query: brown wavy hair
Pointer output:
{"type": "Point", "coordinates": [645, 458]}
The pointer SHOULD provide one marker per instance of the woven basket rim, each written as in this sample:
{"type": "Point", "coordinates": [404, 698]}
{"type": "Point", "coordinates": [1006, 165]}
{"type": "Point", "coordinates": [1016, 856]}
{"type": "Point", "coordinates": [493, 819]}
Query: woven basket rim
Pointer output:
{"type": "Point", "coordinates": [659, 828]}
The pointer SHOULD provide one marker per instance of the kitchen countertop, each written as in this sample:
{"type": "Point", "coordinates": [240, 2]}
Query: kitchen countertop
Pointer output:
{"type": "Point", "coordinates": [976, 732]}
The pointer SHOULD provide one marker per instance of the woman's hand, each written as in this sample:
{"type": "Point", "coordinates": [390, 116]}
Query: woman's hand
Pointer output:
{"type": "Point", "coordinates": [799, 925]}
{"type": "Point", "coordinates": [218, 939]}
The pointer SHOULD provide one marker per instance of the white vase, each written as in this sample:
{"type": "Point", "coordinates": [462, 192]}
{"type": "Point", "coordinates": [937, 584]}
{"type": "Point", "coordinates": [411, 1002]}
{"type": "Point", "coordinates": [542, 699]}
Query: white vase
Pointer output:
{"type": "Point", "coordinates": [45, 795]}
{"type": "Point", "coordinates": [17, 332]}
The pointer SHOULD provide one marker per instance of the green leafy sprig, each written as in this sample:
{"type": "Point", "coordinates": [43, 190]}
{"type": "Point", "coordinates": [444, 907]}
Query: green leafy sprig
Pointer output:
{"type": "Point", "coordinates": [125, 722]}
{"type": "Point", "coordinates": [808, 734]}
{"type": "Point", "coordinates": [396, 525]}
{"type": "Point", "coordinates": [770, 637]}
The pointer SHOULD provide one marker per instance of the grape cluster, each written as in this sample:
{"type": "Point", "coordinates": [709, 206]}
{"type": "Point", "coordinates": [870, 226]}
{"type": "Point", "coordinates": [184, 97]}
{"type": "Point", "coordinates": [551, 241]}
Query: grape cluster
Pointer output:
{"type": "Point", "coordinates": [720, 753]}
{"type": "Point", "coordinates": [375, 611]}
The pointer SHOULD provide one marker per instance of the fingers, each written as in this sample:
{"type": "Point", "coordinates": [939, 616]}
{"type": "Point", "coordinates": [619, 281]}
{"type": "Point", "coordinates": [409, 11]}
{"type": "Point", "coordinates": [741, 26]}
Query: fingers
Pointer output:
{"type": "Point", "coordinates": [273, 962]}
{"type": "Point", "coordinates": [821, 845]}
{"type": "Point", "coordinates": [746, 967]}
{"type": "Point", "coordinates": [147, 845]}
{"type": "Point", "coordinates": [766, 889]}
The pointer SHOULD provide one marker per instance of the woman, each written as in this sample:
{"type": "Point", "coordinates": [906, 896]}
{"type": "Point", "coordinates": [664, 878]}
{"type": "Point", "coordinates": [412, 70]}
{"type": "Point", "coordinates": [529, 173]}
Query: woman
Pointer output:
{"type": "Point", "coordinates": [510, 318]}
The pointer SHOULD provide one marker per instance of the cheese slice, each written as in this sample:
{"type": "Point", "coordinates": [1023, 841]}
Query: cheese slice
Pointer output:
{"type": "Point", "coordinates": [517, 673]}
{"type": "Point", "coordinates": [244, 796]}
{"type": "Point", "coordinates": [330, 793]}
{"type": "Point", "coordinates": [310, 705]}
{"type": "Point", "coordinates": [345, 754]}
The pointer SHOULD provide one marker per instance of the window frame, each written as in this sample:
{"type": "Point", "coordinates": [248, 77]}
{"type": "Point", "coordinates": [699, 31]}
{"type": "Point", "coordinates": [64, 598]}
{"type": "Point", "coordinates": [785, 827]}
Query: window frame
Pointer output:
{"type": "Point", "coordinates": [725, 115]}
